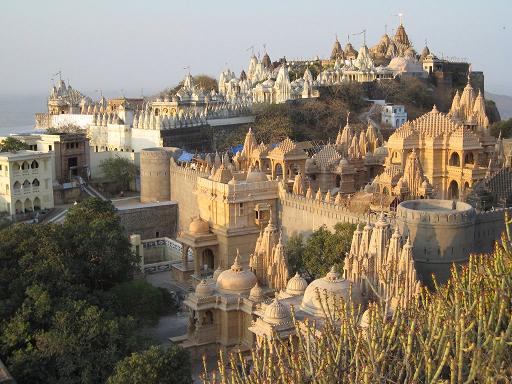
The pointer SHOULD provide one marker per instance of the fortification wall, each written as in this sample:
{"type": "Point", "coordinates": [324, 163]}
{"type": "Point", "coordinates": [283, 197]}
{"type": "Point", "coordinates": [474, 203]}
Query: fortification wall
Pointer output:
{"type": "Point", "coordinates": [183, 185]}
{"type": "Point", "coordinates": [298, 214]}
{"type": "Point", "coordinates": [488, 229]}
{"type": "Point", "coordinates": [441, 234]}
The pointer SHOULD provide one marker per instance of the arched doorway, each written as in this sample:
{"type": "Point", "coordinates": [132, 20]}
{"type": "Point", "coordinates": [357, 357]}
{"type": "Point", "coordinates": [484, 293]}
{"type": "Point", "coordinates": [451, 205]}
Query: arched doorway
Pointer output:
{"type": "Point", "coordinates": [453, 190]}
{"type": "Point", "coordinates": [208, 259]}
{"type": "Point", "coordinates": [18, 206]}
{"type": "Point", "coordinates": [37, 204]}
{"type": "Point", "coordinates": [28, 205]}
{"type": "Point", "coordinates": [278, 171]}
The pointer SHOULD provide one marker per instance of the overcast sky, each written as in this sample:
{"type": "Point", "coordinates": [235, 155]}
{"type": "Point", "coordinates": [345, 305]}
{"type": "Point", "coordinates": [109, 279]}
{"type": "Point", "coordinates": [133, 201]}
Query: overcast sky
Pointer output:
{"type": "Point", "coordinates": [129, 45]}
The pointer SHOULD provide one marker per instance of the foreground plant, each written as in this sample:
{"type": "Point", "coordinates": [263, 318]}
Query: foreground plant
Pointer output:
{"type": "Point", "coordinates": [461, 333]}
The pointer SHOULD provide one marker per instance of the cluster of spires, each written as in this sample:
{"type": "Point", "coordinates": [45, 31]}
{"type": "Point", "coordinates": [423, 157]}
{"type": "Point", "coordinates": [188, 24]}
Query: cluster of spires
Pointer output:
{"type": "Point", "coordinates": [268, 261]}
{"type": "Point", "coordinates": [380, 263]}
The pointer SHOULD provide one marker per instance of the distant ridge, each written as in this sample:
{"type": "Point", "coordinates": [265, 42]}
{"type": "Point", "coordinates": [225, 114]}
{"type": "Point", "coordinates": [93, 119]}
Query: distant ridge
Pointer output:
{"type": "Point", "coordinates": [503, 102]}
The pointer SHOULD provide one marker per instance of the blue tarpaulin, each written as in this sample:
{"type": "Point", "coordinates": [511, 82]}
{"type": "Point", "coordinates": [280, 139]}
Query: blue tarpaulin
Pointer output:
{"type": "Point", "coordinates": [237, 148]}
{"type": "Point", "coordinates": [185, 156]}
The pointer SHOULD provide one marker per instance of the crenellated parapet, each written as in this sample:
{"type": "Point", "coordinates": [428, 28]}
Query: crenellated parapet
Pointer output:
{"type": "Point", "coordinates": [436, 212]}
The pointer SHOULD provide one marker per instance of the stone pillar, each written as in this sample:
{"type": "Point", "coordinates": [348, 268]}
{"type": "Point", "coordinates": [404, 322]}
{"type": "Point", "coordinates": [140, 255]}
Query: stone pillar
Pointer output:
{"type": "Point", "coordinates": [197, 267]}
{"type": "Point", "coordinates": [137, 249]}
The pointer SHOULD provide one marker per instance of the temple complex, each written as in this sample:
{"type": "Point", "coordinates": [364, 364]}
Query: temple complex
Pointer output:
{"type": "Point", "coordinates": [237, 307]}
{"type": "Point", "coordinates": [441, 155]}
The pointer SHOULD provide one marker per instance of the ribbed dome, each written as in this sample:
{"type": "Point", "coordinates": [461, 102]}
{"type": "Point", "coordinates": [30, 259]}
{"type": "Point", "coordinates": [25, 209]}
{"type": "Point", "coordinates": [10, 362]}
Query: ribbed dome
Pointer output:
{"type": "Point", "coordinates": [276, 313]}
{"type": "Point", "coordinates": [203, 289]}
{"type": "Point", "coordinates": [296, 285]}
{"type": "Point", "coordinates": [217, 273]}
{"type": "Point", "coordinates": [256, 293]}
{"type": "Point", "coordinates": [254, 176]}
{"type": "Point", "coordinates": [199, 226]}
{"type": "Point", "coordinates": [235, 280]}
{"type": "Point", "coordinates": [331, 285]}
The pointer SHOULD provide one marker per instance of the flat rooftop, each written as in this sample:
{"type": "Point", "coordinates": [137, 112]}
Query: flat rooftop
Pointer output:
{"type": "Point", "coordinates": [435, 205]}
{"type": "Point", "coordinates": [23, 154]}
{"type": "Point", "coordinates": [134, 203]}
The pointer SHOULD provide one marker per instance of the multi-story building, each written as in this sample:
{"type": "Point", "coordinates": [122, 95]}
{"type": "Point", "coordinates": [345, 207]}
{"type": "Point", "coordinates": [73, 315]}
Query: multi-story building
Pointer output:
{"type": "Point", "coordinates": [25, 181]}
{"type": "Point", "coordinates": [70, 153]}
{"type": "Point", "coordinates": [393, 115]}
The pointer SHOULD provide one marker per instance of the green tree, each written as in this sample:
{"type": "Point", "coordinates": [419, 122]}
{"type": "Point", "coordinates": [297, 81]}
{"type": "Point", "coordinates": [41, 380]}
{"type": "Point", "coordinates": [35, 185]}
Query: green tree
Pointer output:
{"type": "Point", "coordinates": [80, 344]}
{"type": "Point", "coordinates": [295, 254]}
{"type": "Point", "coordinates": [324, 249]}
{"type": "Point", "coordinates": [273, 123]}
{"type": "Point", "coordinates": [140, 300]}
{"type": "Point", "coordinates": [154, 366]}
{"type": "Point", "coordinates": [57, 321]}
{"type": "Point", "coordinates": [206, 82]}
{"type": "Point", "coordinates": [100, 247]}
{"type": "Point", "coordinates": [11, 144]}
{"type": "Point", "coordinates": [504, 126]}
{"type": "Point", "coordinates": [119, 170]}
{"type": "Point", "coordinates": [67, 128]}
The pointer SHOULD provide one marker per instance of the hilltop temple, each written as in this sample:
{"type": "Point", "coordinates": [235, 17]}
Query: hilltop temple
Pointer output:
{"type": "Point", "coordinates": [441, 155]}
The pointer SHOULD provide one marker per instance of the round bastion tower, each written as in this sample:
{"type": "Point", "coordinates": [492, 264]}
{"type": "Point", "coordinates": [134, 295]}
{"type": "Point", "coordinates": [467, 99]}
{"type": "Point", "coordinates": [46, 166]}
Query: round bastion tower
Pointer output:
{"type": "Point", "coordinates": [442, 232]}
{"type": "Point", "coordinates": [154, 175]}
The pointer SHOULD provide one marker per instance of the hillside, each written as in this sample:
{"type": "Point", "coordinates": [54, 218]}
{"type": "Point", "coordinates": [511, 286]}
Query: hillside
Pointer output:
{"type": "Point", "coordinates": [503, 102]}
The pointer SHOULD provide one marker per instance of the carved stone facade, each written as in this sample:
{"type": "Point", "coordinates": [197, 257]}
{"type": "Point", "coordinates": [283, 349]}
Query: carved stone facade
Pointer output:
{"type": "Point", "coordinates": [440, 155]}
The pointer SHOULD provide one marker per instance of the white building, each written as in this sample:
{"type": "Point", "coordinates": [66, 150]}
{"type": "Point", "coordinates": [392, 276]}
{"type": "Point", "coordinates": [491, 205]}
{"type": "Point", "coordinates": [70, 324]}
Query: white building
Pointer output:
{"type": "Point", "coordinates": [393, 115]}
{"type": "Point", "coordinates": [25, 182]}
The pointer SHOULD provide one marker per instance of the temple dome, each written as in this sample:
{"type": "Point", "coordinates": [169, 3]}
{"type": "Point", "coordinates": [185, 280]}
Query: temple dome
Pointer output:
{"type": "Point", "coordinates": [255, 175]}
{"type": "Point", "coordinates": [296, 285]}
{"type": "Point", "coordinates": [276, 313]}
{"type": "Point", "coordinates": [256, 293]}
{"type": "Point", "coordinates": [235, 280]}
{"type": "Point", "coordinates": [203, 289]}
{"type": "Point", "coordinates": [405, 64]}
{"type": "Point", "coordinates": [217, 273]}
{"type": "Point", "coordinates": [199, 226]}
{"type": "Point", "coordinates": [330, 288]}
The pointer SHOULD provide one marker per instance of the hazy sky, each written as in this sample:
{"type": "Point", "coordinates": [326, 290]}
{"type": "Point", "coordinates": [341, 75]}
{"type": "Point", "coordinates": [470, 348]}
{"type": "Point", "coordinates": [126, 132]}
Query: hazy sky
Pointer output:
{"type": "Point", "coordinates": [125, 44]}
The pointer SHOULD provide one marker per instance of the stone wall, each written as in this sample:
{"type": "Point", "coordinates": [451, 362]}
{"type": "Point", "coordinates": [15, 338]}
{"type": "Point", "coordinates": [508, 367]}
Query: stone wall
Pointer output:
{"type": "Point", "coordinates": [297, 214]}
{"type": "Point", "coordinates": [150, 220]}
{"type": "Point", "coordinates": [488, 229]}
{"type": "Point", "coordinates": [443, 236]}
{"type": "Point", "coordinates": [183, 184]}
{"type": "Point", "coordinates": [439, 233]}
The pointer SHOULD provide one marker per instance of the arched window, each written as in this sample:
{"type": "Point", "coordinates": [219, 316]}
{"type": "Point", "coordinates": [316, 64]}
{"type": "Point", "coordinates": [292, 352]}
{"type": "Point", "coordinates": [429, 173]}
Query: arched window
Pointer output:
{"type": "Point", "coordinates": [208, 258]}
{"type": "Point", "coordinates": [16, 186]}
{"type": "Point", "coordinates": [278, 170]}
{"type": "Point", "coordinates": [469, 159]}
{"type": "Point", "coordinates": [453, 190]}
{"type": "Point", "coordinates": [454, 159]}
{"type": "Point", "coordinates": [34, 165]}
{"type": "Point", "coordinates": [35, 183]}
{"type": "Point", "coordinates": [25, 165]}
{"type": "Point", "coordinates": [26, 184]}
{"type": "Point", "coordinates": [338, 181]}
{"type": "Point", "coordinates": [37, 204]}
{"type": "Point", "coordinates": [385, 191]}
